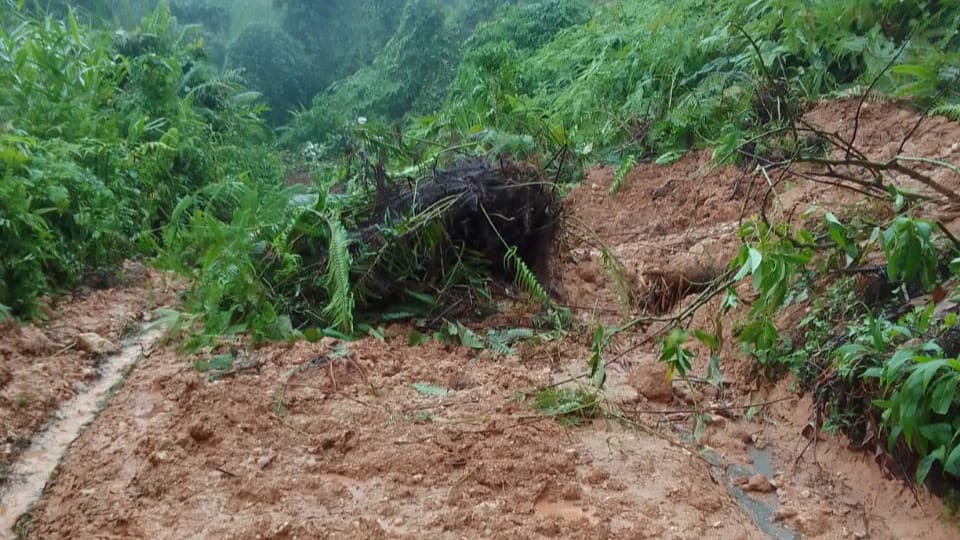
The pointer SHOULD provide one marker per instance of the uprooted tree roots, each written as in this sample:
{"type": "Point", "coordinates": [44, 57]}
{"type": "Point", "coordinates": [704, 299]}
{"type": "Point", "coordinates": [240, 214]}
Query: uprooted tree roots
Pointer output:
{"type": "Point", "coordinates": [662, 290]}
{"type": "Point", "coordinates": [487, 208]}
{"type": "Point", "coordinates": [435, 237]}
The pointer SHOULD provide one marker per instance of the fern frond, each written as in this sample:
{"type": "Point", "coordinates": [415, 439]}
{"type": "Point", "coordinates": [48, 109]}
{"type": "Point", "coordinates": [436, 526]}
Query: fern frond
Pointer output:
{"type": "Point", "coordinates": [622, 171]}
{"type": "Point", "coordinates": [233, 77]}
{"type": "Point", "coordinates": [340, 300]}
{"type": "Point", "coordinates": [524, 277]}
{"type": "Point", "coordinates": [857, 91]}
{"type": "Point", "coordinates": [242, 98]}
{"type": "Point", "coordinates": [950, 110]}
{"type": "Point", "coordinates": [498, 346]}
{"type": "Point", "coordinates": [501, 341]}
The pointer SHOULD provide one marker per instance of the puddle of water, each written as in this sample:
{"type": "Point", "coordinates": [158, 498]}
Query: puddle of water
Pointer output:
{"type": "Point", "coordinates": [562, 510]}
{"type": "Point", "coordinates": [30, 473]}
{"type": "Point", "coordinates": [759, 506]}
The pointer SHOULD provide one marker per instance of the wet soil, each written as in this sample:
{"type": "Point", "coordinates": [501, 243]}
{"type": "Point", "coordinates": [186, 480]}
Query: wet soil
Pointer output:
{"type": "Point", "coordinates": [43, 365]}
{"type": "Point", "coordinates": [32, 470]}
{"type": "Point", "coordinates": [281, 453]}
{"type": "Point", "coordinates": [343, 440]}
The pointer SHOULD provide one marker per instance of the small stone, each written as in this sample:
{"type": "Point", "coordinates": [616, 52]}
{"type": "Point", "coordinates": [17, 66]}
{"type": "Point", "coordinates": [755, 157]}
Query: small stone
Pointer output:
{"type": "Point", "coordinates": [161, 456]}
{"type": "Point", "coordinates": [572, 492]}
{"type": "Point", "coordinates": [758, 483]}
{"type": "Point", "coordinates": [134, 273]}
{"type": "Point", "coordinates": [95, 344]}
{"type": "Point", "coordinates": [200, 432]}
{"type": "Point", "coordinates": [783, 514]}
{"type": "Point", "coordinates": [598, 476]}
{"type": "Point", "coordinates": [805, 494]}
{"type": "Point", "coordinates": [417, 478]}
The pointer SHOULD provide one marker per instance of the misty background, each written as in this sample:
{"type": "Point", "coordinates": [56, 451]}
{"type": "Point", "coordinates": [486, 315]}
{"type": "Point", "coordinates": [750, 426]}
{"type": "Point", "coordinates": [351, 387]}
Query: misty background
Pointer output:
{"type": "Point", "coordinates": [320, 63]}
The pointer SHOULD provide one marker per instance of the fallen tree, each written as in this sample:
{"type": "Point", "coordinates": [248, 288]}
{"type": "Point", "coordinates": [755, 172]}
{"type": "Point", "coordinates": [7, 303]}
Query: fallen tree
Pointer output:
{"type": "Point", "coordinates": [485, 206]}
{"type": "Point", "coordinates": [418, 245]}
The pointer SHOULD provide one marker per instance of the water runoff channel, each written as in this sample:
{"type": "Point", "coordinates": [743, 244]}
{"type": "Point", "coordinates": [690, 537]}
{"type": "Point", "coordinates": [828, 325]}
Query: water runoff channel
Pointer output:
{"type": "Point", "coordinates": [30, 473]}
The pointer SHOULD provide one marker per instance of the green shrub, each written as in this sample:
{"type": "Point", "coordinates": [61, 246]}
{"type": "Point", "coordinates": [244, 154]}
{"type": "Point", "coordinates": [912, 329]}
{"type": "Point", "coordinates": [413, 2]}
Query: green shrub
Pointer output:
{"type": "Point", "coordinates": [102, 134]}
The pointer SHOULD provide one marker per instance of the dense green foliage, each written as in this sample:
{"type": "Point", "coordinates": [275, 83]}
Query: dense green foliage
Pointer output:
{"type": "Point", "coordinates": [861, 362]}
{"type": "Point", "coordinates": [666, 76]}
{"type": "Point", "coordinates": [101, 135]}
{"type": "Point", "coordinates": [340, 36]}
{"type": "Point", "coordinates": [409, 75]}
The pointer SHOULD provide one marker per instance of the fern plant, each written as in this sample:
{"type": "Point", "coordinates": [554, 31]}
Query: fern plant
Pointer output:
{"type": "Point", "coordinates": [525, 279]}
{"type": "Point", "coordinates": [340, 303]}
{"type": "Point", "coordinates": [950, 110]}
{"type": "Point", "coordinates": [623, 170]}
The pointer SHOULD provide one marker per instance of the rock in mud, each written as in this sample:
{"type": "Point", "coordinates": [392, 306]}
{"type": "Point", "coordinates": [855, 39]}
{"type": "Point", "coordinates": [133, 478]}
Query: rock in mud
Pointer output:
{"type": "Point", "coordinates": [160, 457]}
{"type": "Point", "coordinates": [649, 378]}
{"type": "Point", "coordinates": [201, 432]}
{"type": "Point", "coordinates": [95, 344]}
{"type": "Point", "coordinates": [783, 514]}
{"type": "Point", "coordinates": [757, 483]}
{"type": "Point", "coordinates": [134, 273]}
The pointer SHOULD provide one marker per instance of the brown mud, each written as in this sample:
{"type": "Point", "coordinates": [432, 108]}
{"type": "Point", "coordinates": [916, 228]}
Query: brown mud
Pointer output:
{"type": "Point", "coordinates": [45, 364]}
{"type": "Point", "coordinates": [342, 440]}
